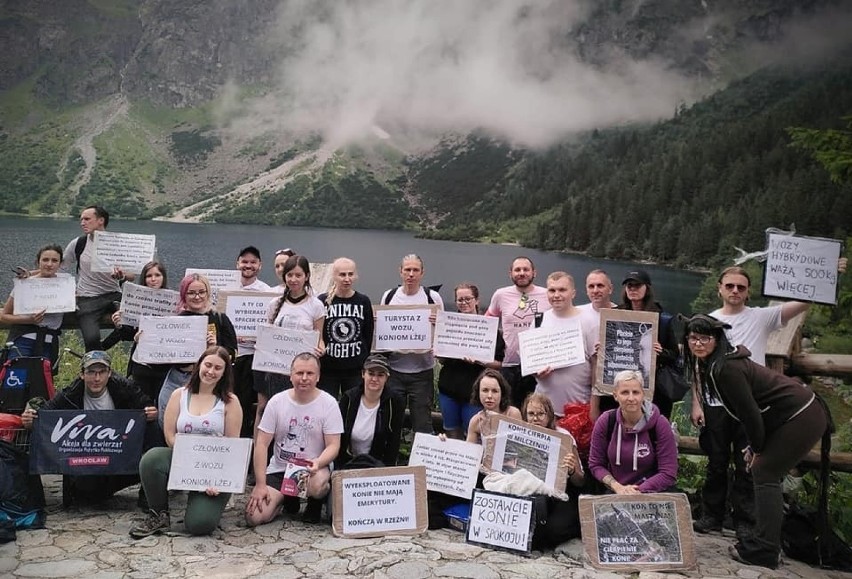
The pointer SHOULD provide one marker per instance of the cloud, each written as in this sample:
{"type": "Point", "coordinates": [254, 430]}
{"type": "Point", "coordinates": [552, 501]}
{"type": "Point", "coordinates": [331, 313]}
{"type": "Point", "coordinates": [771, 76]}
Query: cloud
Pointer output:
{"type": "Point", "coordinates": [435, 66]}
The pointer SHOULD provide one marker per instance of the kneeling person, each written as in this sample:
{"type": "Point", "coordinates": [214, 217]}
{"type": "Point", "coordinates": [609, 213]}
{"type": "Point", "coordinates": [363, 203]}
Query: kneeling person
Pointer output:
{"type": "Point", "coordinates": [304, 423]}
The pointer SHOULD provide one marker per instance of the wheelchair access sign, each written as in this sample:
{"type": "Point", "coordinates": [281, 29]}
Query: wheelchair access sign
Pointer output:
{"type": "Point", "coordinates": [15, 379]}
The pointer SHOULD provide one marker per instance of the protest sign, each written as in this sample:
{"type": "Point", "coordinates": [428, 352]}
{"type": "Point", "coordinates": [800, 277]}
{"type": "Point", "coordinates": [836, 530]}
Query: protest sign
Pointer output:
{"type": "Point", "coordinates": [49, 294]}
{"type": "Point", "coordinates": [514, 444]}
{"type": "Point", "coordinates": [801, 268]}
{"type": "Point", "coordinates": [451, 465]}
{"type": "Point", "coordinates": [245, 309]}
{"type": "Point", "coordinates": [558, 347]}
{"type": "Point", "coordinates": [403, 328]}
{"type": "Point", "coordinates": [220, 279]}
{"type": "Point", "coordinates": [127, 251]}
{"type": "Point", "coordinates": [647, 532]}
{"type": "Point", "coordinates": [87, 442]}
{"type": "Point", "coordinates": [375, 502]}
{"type": "Point", "coordinates": [500, 520]}
{"type": "Point", "coordinates": [139, 300]}
{"type": "Point", "coordinates": [202, 462]}
{"type": "Point", "coordinates": [627, 343]}
{"type": "Point", "coordinates": [322, 277]}
{"type": "Point", "coordinates": [171, 340]}
{"type": "Point", "coordinates": [276, 347]}
{"type": "Point", "coordinates": [465, 336]}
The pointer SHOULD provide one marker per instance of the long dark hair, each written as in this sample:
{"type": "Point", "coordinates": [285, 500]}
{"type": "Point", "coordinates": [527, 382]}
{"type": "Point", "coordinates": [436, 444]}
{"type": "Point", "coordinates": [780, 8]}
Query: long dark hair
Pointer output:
{"type": "Point", "coordinates": [290, 265]}
{"type": "Point", "coordinates": [225, 385]}
{"type": "Point", "coordinates": [151, 265]}
{"type": "Point", "coordinates": [505, 389]}
{"type": "Point", "coordinates": [649, 303]}
{"type": "Point", "coordinates": [695, 369]}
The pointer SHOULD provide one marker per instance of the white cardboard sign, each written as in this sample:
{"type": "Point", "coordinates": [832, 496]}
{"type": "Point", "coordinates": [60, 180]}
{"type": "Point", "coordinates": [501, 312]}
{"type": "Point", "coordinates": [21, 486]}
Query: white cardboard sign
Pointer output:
{"type": "Point", "coordinates": [51, 294]}
{"type": "Point", "coordinates": [451, 465]}
{"type": "Point", "coordinates": [128, 251]}
{"type": "Point", "coordinates": [139, 300]}
{"type": "Point", "coordinates": [403, 329]}
{"type": "Point", "coordinates": [171, 340]}
{"type": "Point", "coordinates": [202, 462]}
{"type": "Point", "coordinates": [465, 336]}
{"type": "Point", "coordinates": [276, 347]}
{"type": "Point", "coordinates": [554, 347]}
{"type": "Point", "coordinates": [801, 268]}
{"type": "Point", "coordinates": [245, 309]}
{"type": "Point", "coordinates": [500, 520]}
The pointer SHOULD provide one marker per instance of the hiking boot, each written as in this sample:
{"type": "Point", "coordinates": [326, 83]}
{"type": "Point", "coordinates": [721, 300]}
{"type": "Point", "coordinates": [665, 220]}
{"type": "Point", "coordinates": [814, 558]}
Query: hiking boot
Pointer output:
{"type": "Point", "coordinates": [142, 500]}
{"type": "Point", "coordinates": [706, 525]}
{"type": "Point", "coordinates": [313, 511]}
{"type": "Point", "coordinates": [737, 554]}
{"type": "Point", "coordinates": [155, 524]}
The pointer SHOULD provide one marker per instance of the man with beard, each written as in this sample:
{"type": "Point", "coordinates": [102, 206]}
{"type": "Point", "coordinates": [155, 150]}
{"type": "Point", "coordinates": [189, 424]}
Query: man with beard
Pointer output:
{"type": "Point", "coordinates": [519, 307]}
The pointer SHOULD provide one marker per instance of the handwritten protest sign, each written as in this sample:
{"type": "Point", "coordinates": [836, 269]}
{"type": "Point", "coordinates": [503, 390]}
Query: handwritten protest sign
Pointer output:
{"type": "Point", "coordinates": [555, 347]}
{"type": "Point", "coordinates": [402, 328]}
{"type": "Point", "coordinates": [379, 501]}
{"type": "Point", "coordinates": [51, 294]}
{"type": "Point", "coordinates": [627, 343]}
{"type": "Point", "coordinates": [322, 277]}
{"type": "Point", "coordinates": [648, 532]}
{"type": "Point", "coordinates": [171, 340]}
{"type": "Point", "coordinates": [500, 520]}
{"type": "Point", "coordinates": [451, 465]}
{"type": "Point", "coordinates": [465, 336]}
{"type": "Point", "coordinates": [87, 442]}
{"type": "Point", "coordinates": [202, 462]}
{"type": "Point", "coordinates": [220, 279]}
{"type": "Point", "coordinates": [138, 301]}
{"type": "Point", "coordinates": [801, 268]}
{"type": "Point", "coordinates": [514, 444]}
{"type": "Point", "coordinates": [276, 347]}
{"type": "Point", "coordinates": [245, 309]}
{"type": "Point", "coordinates": [128, 251]}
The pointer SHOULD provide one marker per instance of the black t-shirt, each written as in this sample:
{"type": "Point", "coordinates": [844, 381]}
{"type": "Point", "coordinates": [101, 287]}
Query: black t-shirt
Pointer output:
{"type": "Point", "coordinates": [347, 332]}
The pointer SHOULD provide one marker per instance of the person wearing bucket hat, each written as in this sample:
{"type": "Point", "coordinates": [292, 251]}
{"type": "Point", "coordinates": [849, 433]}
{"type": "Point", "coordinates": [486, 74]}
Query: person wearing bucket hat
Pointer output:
{"type": "Point", "coordinates": [372, 417]}
{"type": "Point", "coordinates": [782, 419]}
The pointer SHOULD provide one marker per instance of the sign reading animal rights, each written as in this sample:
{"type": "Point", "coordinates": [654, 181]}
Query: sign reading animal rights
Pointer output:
{"type": "Point", "coordinates": [139, 300]}
{"type": "Point", "coordinates": [502, 521]}
{"type": "Point", "coordinates": [403, 328]}
{"type": "Point", "coordinates": [627, 343]}
{"type": "Point", "coordinates": [276, 347]}
{"type": "Point", "coordinates": [551, 347]}
{"type": "Point", "coordinates": [451, 465]}
{"type": "Point", "coordinates": [801, 268]}
{"type": "Point", "coordinates": [647, 532]}
{"type": "Point", "coordinates": [171, 340]}
{"type": "Point", "coordinates": [49, 294]}
{"type": "Point", "coordinates": [203, 462]}
{"type": "Point", "coordinates": [87, 442]}
{"type": "Point", "coordinates": [375, 502]}
{"type": "Point", "coordinates": [127, 251]}
{"type": "Point", "coordinates": [512, 444]}
{"type": "Point", "coordinates": [465, 336]}
{"type": "Point", "coordinates": [246, 310]}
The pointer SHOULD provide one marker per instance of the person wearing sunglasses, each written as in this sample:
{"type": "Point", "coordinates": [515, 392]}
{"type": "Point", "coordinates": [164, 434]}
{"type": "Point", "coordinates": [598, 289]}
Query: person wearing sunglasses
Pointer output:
{"type": "Point", "coordinates": [782, 419]}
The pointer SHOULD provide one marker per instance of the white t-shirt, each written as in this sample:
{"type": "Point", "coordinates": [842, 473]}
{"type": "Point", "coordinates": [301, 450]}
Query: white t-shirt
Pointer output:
{"type": "Point", "coordinates": [300, 316]}
{"type": "Point", "coordinates": [412, 363]}
{"type": "Point", "coordinates": [102, 402]}
{"type": "Point", "coordinates": [574, 383]}
{"type": "Point", "coordinates": [751, 328]}
{"type": "Point", "coordinates": [298, 429]}
{"type": "Point", "coordinates": [514, 319]}
{"type": "Point", "coordinates": [363, 429]}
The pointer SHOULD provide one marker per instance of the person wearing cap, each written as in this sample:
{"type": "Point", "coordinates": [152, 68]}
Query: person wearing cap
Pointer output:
{"type": "Point", "coordinates": [637, 294]}
{"type": "Point", "coordinates": [372, 417]}
{"type": "Point", "coordinates": [782, 419]}
{"type": "Point", "coordinates": [99, 388]}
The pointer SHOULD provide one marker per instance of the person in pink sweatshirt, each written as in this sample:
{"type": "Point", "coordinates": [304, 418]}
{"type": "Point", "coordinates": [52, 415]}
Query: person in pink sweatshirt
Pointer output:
{"type": "Point", "coordinates": [633, 447]}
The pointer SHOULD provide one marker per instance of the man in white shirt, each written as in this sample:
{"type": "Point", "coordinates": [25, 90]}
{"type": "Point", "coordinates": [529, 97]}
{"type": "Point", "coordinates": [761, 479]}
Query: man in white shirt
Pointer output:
{"type": "Point", "coordinates": [412, 374]}
{"type": "Point", "coordinates": [599, 292]}
{"type": "Point", "coordinates": [519, 307]}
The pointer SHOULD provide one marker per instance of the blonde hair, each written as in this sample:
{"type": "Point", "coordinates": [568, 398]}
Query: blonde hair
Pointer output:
{"type": "Point", "coordinates": [332, 293]}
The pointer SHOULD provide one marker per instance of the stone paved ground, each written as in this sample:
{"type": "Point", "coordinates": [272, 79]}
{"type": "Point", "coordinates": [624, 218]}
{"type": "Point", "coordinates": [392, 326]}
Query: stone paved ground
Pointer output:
{"type": "Point", "coordinates": [90, 543]}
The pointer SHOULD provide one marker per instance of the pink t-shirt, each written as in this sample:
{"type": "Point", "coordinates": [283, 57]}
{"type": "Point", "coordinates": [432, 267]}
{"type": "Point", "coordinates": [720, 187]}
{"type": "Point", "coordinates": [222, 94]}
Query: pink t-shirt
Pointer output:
{"type": "Point", "coordinates": [515, 316]}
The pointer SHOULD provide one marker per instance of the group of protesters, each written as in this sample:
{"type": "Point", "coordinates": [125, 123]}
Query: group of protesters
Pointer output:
{"type": "Point", "coordinates": [342, 406]}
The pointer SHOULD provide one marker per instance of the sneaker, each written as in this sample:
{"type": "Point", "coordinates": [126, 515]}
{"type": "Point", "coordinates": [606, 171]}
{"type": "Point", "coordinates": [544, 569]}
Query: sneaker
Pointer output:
{"type": "Point", "coordinates": [706, 525]}
{"type": "Point", "coordinates": [155, 524]}
{"type": "Point", "coordinates": [313, 511]}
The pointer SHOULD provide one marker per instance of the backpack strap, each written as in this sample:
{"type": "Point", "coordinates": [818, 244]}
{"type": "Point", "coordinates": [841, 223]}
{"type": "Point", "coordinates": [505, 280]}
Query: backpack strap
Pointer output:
{"type": "Point", "coordinates": [392, 292]}
{"type": "Point", "coordinates": [79, 247]}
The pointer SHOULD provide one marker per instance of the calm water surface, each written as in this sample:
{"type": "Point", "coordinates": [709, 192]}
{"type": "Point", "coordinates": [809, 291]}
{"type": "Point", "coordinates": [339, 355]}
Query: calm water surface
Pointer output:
{"type": "Point", "coordinates": [378, 253]}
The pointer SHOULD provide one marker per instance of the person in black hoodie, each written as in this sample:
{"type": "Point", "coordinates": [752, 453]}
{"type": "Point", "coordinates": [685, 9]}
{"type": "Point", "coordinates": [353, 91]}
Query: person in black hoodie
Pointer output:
{"type": "Point", "coordinates": [372, 417]}
{"type": "Point", "coordinates": [781, 416]}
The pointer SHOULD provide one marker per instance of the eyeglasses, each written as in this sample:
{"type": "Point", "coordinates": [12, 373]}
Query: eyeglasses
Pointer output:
{"type": "Point", "coordinates": [740, 288]}
{"type": "Point", "coordinates": [703, 340]}
{"type": "Point", "coordinates": [464, 300]}
{"type": "Point", "coordinates": [95, 371]}
{"type": "Point", "coordinates": [522, 305]}
{"type": "Point", "coordinates": [536, 414]}
{"type": "Point", "coordinates": [196, 293]}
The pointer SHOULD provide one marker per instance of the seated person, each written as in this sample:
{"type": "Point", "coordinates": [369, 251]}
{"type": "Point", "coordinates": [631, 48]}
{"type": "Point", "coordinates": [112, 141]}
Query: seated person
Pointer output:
{"type": "Point", "coordinates": [205, 406]}
{"type": "Point", "coordinates": [372, 417]}
{"type": "Point", "coordinates": [492, 393]}
{"type": "Point", "coordinates": [633, 447]}
{"type": "Point", "coordinates": [557, 521]}
{"type": "Point", "coordinates": [305, 423]}
{"type": "Point", "coordinates": [98, 388]}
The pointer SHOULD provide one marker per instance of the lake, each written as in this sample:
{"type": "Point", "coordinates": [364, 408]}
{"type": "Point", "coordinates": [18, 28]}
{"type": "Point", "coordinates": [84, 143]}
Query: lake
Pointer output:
{"type": "Point", "coordinates": [377, 253]}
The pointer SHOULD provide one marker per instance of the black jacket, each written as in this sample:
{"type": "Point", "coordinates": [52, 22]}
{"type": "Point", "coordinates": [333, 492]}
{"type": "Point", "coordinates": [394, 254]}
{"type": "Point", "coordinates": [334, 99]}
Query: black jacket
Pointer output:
{"type": "Point", "coordinates": [386, 438]}
{"type": "Point", "coordinates": [125, 394]}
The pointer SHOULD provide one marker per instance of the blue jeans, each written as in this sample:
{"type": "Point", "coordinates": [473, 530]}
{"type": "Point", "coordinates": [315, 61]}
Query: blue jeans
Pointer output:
{"type": "Point", "coordinates": [174, 380]}
{"type": "Point", "coordinates": [456, 414]}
